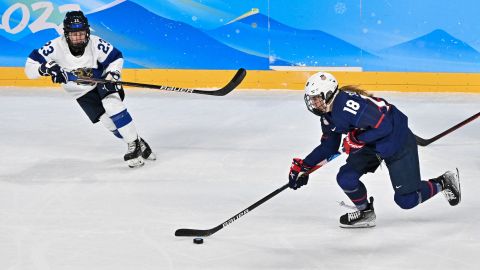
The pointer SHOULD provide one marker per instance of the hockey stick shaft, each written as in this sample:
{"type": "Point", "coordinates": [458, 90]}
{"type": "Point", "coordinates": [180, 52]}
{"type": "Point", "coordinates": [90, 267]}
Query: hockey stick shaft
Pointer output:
{"type": "Point", "coordinates": [234, 82]}
{"type": "Point", "coordinates": [208, 232]}
{"type": "Point", "coordinates": [425, 142]}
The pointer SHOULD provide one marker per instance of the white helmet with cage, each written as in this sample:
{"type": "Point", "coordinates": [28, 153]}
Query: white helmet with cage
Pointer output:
{"type": "Point", "coordinates": [321, 87]}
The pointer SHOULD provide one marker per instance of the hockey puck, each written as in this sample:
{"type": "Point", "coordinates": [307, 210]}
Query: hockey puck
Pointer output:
{"type": "Point", "coordinates": [198, 240]}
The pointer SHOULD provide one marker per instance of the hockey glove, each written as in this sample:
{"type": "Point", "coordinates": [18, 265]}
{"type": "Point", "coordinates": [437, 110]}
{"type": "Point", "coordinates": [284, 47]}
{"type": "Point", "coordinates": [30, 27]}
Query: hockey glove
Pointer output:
{"type": "Point", "coordinates": [298, 175]}
{"type": "Point", "coordinates": [53, 70]}
{"type": "Point", "coordinates": [112, 76]}
{"type": "Point", "coordinates": [351, 144]}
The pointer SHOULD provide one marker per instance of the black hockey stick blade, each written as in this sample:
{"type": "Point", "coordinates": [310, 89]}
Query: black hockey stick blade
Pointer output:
{"type": "Point", "coordinates": [196, 233]}
{"type": "Point", "coordinates": [229, 87]}
{"type": "Point", "coordinates": [425, 142]}
{"type": "Point", "coordinates": [234, 82]}
{"type": "Point", "coordinates": [204, 233]}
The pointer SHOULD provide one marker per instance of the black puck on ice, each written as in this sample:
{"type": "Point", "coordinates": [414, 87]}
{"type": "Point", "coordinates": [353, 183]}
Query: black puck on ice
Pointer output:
{"type": "Point", "coordinates": [198, 240]}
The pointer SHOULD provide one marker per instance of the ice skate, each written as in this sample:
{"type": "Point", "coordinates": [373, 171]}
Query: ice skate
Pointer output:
{"type": "Point", "coordinates": [147, 152]}
{"type": "Point", "coordinates": [359, 219]}
{"type": "Point", "coordinates": [450, 183]}
{"type": "Point", "coordinates": [134, 155]}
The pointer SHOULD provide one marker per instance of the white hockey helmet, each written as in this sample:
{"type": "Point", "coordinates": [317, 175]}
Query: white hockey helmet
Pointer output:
{"type": "Point", "coordinates": [321, 85]}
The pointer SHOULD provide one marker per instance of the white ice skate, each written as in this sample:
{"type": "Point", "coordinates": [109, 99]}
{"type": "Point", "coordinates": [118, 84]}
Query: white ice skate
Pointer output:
{"type": "Point", "coordinates": [134, 155]}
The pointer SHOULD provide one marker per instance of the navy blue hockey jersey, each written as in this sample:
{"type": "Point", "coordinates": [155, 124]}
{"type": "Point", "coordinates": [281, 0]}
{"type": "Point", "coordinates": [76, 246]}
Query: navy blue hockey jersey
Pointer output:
{"type": "Point", "coordinates": [380, 125]}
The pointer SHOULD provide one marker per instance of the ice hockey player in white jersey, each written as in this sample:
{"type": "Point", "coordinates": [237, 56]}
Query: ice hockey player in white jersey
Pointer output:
{"type": "Point", "coordinates": [79, 54]}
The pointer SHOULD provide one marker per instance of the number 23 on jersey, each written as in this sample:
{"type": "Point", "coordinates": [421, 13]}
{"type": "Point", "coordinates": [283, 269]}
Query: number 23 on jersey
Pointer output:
{"type": "Point", "coordinates": [104, 46]}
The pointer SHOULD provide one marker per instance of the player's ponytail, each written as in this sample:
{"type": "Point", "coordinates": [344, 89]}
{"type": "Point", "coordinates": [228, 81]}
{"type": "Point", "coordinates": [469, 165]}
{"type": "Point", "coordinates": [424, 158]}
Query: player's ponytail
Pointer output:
{"type": "Point", "coordinates": [355, 89]}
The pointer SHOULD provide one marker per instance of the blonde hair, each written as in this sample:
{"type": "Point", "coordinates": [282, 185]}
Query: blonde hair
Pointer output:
{"type": "Point", "coordinates": [355, 89]}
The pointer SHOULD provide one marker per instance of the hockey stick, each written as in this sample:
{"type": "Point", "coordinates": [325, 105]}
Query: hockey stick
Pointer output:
{"type": "Point", "coordinates": [203, 233]}
{"type": "Point", "coordinates": [425, 142]}
{"type": "Point", "coordinates": [234, 82]}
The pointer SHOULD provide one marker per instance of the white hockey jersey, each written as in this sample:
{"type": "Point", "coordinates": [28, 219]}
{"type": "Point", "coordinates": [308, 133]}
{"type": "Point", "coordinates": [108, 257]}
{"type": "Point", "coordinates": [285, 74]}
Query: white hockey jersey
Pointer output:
{"type": "Point", "coordinates": [99, 54]}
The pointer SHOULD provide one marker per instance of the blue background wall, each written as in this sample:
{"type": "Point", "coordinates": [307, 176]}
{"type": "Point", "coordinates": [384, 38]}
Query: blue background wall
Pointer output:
{"type": "Point", "coordinates": [381, 35]}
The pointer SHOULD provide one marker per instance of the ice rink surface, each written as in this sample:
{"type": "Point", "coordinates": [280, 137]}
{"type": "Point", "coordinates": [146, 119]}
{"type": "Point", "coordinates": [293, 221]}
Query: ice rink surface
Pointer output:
{"type": "Point", "coordinates": [68, 201]}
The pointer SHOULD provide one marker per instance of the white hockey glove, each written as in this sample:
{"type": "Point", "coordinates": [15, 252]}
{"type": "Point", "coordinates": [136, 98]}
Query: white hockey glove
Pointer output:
{"type": "Point", "coordinates": [53, 70]}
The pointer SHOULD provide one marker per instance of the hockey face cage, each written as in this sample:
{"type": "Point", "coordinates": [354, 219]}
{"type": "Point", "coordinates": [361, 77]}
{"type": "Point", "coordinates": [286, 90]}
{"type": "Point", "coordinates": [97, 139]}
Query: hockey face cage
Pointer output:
{"type": "Point", "coordinates": [327, 98]}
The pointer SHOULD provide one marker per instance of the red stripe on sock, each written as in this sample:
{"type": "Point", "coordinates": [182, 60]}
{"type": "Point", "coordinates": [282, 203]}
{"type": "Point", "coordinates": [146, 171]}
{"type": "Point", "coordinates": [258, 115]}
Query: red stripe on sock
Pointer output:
{"type": "Point", "coordinates": [431, 188]}
{"type": "Point", "coordinates": [361, 199]}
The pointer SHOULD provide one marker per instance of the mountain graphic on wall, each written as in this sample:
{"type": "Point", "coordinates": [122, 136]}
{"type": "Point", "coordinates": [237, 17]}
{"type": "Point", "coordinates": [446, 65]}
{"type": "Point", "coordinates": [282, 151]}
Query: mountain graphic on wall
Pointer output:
{"type": "Point", "coordinates": [149, 40]}
{"type": "Point", "coordinates": [259, 35]}
{"type": "Point", "coordinates": [435, 51]}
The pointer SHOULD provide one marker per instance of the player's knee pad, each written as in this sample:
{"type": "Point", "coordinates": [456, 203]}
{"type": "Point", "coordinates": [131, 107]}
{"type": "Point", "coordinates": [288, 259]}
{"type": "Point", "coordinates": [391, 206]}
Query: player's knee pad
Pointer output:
{"type": "Point", "coordinates": [407, 201]}
{"type": "Point", "coordinates": [348, 178]}
{"type": "Point", "coordinates": [113, 104]}
{"type": "Point", "coordinates": [108, 123]}
{"type": "Point", "coordinates": [116, 109]}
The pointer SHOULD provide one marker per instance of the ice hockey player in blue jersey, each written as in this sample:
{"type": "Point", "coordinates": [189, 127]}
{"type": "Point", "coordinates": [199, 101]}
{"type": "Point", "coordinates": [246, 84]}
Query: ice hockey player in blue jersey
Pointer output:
{"type": "Point", "coordinates": [79, 54]}
{"type": "Point", "coordinates": [375, 131]}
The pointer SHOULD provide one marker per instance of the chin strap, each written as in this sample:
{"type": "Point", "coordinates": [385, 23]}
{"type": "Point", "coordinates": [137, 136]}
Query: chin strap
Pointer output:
{"type": "Point", "coordinates": [330, 100]}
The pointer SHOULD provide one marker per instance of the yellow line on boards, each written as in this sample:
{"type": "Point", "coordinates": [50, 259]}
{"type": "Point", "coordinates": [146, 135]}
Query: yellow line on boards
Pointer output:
{"type": "Point", "coordinates": [270, 79]}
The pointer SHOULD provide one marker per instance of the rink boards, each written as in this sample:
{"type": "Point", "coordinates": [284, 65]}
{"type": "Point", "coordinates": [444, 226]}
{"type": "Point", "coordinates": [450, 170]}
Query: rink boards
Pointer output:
{"type": "Point", "coordinates": [269, 79]}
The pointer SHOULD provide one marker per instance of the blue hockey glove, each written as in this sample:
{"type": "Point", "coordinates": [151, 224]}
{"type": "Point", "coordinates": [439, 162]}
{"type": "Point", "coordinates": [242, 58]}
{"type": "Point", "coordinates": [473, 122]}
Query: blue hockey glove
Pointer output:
{"type": "Point", "coordinates": [298, 175]}
{"type": "Point", "coordinates": [53, 70]}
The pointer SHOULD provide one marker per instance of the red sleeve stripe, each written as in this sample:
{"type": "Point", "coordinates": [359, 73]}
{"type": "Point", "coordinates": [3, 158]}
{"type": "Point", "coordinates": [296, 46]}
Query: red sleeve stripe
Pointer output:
{"type": "Point", "coordinates": [380, 121]}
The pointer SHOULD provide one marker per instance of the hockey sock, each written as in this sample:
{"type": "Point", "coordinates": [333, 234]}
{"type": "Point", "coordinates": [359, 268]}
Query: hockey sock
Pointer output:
{"type": "Point", "coordinates": [125, 126]}
{"type": "Point", "coordinates": [117, 134]}
{"type": "Point", "coordinates": [358, 196]}
{"type": "Point", "coordinates": [121, 118]}
{"type": "Point", "coordinates": [108, 123]}
{"type": "Point", "coordinates": [428, 189]}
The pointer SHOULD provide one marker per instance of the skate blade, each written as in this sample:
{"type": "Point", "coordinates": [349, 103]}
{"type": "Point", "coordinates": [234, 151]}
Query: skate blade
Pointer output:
{"type": "Point", "coordinates": [359, 225]}
{"type": "Point", "coordinates": [135, 163]}
{"type": "Point", "coordinates": [457, 186]}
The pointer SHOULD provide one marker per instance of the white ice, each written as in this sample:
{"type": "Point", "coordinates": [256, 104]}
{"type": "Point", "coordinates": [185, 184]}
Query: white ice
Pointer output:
{"type": "Point", "coordinates": [68, 201]}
